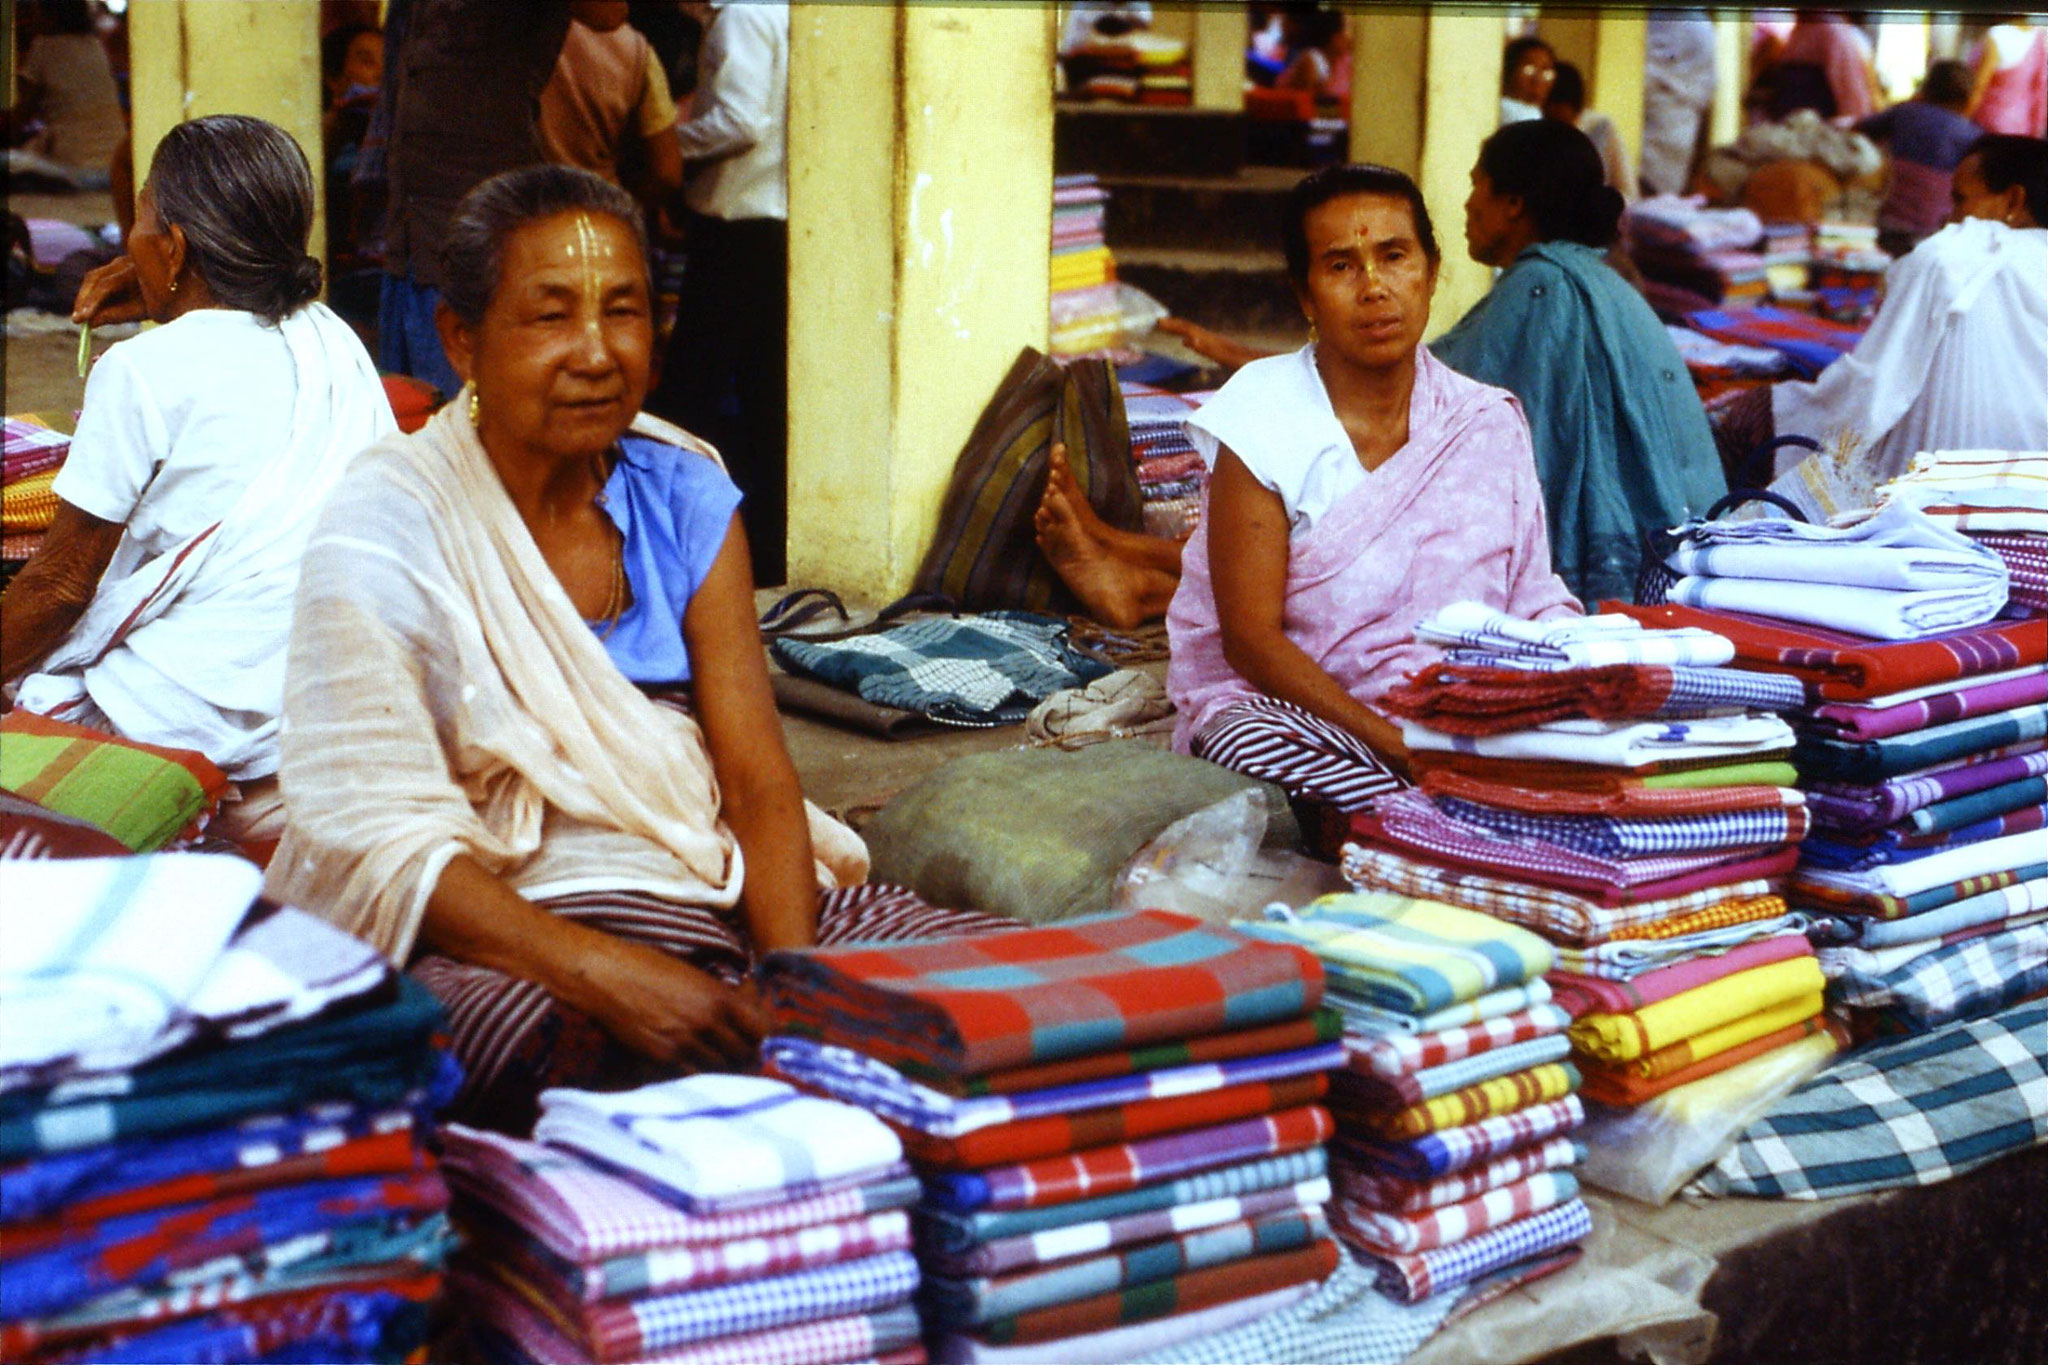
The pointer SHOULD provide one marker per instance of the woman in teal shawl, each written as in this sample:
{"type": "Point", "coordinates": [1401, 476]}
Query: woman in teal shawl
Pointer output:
{"type": "Point", "coordinates": [1622, 445]}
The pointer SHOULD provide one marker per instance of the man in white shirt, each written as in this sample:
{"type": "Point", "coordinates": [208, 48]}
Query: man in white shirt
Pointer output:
{"type": "Point", "coordinates": [732, 326]}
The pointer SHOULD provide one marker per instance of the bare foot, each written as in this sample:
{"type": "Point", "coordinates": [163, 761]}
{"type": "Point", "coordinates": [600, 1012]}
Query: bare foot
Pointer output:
{"type": "Point", "coordinates": [1103, 583]}
{"type": "Point", "coordinates": [1059, 474]}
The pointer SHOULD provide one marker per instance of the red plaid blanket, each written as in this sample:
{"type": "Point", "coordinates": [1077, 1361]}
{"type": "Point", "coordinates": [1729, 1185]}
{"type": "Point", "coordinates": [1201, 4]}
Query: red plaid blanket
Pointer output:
{"type": "Point", "coordinates": [969, 1006]}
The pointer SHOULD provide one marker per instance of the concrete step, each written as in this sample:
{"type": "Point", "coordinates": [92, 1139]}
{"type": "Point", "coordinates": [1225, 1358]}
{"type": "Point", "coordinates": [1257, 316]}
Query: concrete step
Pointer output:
{"type": "Point", "coordinates": [1203, 212]}
{"type": "Point", "coordinates": [1239, 293]}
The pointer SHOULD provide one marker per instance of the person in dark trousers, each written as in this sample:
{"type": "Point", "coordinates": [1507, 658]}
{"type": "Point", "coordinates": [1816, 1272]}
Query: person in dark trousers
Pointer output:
{"type": "Point", "coordinates": [726, 372]}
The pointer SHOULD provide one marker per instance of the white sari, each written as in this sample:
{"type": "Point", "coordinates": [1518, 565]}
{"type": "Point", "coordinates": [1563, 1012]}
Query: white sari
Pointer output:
{"type": "Point", "coordinates": [187, 649]}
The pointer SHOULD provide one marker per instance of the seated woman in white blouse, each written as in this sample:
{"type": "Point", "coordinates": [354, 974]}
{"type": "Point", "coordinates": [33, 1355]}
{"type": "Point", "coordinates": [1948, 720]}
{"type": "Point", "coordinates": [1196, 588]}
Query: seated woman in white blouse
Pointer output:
{"type": "Point", "coordinates": [159, 603]}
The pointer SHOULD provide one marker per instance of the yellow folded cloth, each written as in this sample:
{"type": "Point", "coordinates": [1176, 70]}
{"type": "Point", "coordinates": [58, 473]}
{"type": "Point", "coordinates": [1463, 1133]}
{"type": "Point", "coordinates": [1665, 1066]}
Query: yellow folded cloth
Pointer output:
{"type": "Point", "coordinates": [1612, 1038]}
{"type": "Point", "coordinates": [1720, 1039]}
{"type": "Point", "coordinates": [29, 504]}
{"type": "Point", "coordinates": [1484, 1099]}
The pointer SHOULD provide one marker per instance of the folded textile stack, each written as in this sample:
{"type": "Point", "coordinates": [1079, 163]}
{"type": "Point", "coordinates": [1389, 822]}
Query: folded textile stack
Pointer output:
{"type": "Point", "coordinates": [712, 1219]}
{"type": "Point", "coordinates": [1625, 795]}
{"type": "Point", "coordinates": [1704, 251]}
{"type": "Point", "coordinates": [1450, 1155]}
{"type": "Point", "coordinates": [1925, 767]}
{"type": "Point", "coordinates": [1718, 367]}
{"type": "Point", "coordinates": [32, 449]}
{"type": "Point", "coordinates": [1998, 498]}
{"type": "Point", "coordinates": [1117, 1120]}
{"type": "Point", "coordinates": [212, 1123]}
{"type": "Point", "coordinates": [1895, 574]}
{"type": "Point", "coordinates": [1810, 343]}
{"type": "Point", "coordinates": [1085, 317]}
{"type": "Point", "coordinates": [1139, 66]}
{"type": "Point", "coordinates": [1171, 475]}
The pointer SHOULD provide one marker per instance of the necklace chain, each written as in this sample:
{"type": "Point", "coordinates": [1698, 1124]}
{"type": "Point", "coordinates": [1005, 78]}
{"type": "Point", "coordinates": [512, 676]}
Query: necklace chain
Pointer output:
{"type": "Point", "coordinates": [615, 595]}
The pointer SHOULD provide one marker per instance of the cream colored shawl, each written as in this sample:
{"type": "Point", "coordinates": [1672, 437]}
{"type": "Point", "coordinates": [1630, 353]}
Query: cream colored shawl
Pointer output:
{"type": "Point", "coordinates": [443, 696]}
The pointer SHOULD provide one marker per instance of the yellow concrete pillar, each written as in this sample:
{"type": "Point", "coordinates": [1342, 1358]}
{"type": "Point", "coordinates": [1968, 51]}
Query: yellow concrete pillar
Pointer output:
{"type": "Point", "coordinates": [1389, 50]}
{"type": "Point", "coordinates": [189, 58]}
{"type": "Point", "coordinates": [920, 216]}
{"type": "Point", "coordinates": [1608, 48]}
{"type": "Point", "coordinates": [1220, 38]}
{"type": "Point", "coordinates": [1731, 75]}
{"type": "Point", "coordinates": [1462, 106]}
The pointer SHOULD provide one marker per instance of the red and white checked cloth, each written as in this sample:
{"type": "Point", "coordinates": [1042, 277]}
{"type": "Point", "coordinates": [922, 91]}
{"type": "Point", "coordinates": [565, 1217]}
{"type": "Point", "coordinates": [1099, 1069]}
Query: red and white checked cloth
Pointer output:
{"type": "Point", "coordinates": [1394, 1055]}
{"type": "Point", "coordinates": [1377, 1230]}
{"type": "Point", "coordinates": [1397, 1194]}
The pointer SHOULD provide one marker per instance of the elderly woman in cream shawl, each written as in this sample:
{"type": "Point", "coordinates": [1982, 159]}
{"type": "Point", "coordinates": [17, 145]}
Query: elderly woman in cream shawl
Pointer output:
{"type": "Point", "coordinates": [473, 782]}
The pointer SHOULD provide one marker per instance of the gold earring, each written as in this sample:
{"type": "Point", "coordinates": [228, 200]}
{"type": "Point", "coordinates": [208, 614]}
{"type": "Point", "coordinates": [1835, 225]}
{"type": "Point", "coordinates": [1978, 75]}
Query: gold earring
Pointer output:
{"type": "Point", "coordinates": [475, 407]}
{"type": "Point", "coordinates": [174, 286]}
{"type": "Point", "coordinates": [1314, 335]}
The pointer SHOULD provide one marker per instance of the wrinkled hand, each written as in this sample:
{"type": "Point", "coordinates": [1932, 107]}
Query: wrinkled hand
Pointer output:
{"type": "Point", "coordinates": [109, 294]}
{"type": "Point", "coordinates": [1199, 339]}
{"type": "Point", "coordinates": [666, 1009]}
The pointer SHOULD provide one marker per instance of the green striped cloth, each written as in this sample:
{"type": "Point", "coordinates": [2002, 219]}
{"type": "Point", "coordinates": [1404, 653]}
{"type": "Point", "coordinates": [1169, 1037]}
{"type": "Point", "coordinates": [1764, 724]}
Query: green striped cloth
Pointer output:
{"type": "Point", "coordinates": [141, 794]}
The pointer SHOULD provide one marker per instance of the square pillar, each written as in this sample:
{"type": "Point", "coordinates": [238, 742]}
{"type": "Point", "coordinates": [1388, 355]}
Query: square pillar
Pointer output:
{"type": "Point", "coordinates": [1609, 48]}
{"type": "Point", "coordinates": [920, 217]}
{"type": "Point", "coordinates": [189, 58]}
{"type": "Point", "coordinates": [1222, 33]}
{"type": "Point", "coordinates": [1731, 75]}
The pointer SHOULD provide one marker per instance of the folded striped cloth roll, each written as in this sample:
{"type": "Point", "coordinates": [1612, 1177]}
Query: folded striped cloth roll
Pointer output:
{"type": "Point", "coordinates": [1628, 959]}
{"type": "Point", "coordinates": [1624, 801]}
{"type": "Point", "coordinates": [1125, 1166]}
{"type": "Point", "coordinates": [951, 1235]}
{"type": "Point", "coordinates": [1616, 743]}
{"type": "Point", "coordinates": [971, 1302]}
{"type": "Point", "coordinates": [893, 1097]}
{"type": "Point", "coordinates": [1626, 1087]}
{"type": "Point", "coordinates": [1375, 1230]}
{"type": "Point", "coordinates": [1978, 976]}
{"type": "Point", "coordinates": [29, 504]}
{"type": "Point", "coordinates": [1438, 1154]}
{"type": "Point", "coordinates": [1394, 1055]}
{"type": "Point", "coordinates": [1592, 994]}
{"type": "Point", "coordinates": [1616, 1038]}
{"type": "Point", "coordinates": [1405, 953]}
{"type": "Point", "coordinates": [714, 1143]}
{"type": "Point", "coordinates": [1605, 837]}
{"type": "Point", "coordinates": [1688, 1052]}
{"type": "Point", "coordinates": [1088, 1239]}
{"type": "Point", "coordinates": [1397, 1194]}
{"type": "Point", "coordinates": [1410, 1277]}
{"type": "Point", "coordinates": [1599, 641]}
{"type": "Point", "coordinates": [1490, 1098]}
{"type": "Point", "coordinates": [1361, 1018]}
{"type": "Point", "coordinates": [1420, 1086]}
{"type": "Point", "coordinates": [1472, 694]}
{"type": "Point", "coordinates": [1868, 808]}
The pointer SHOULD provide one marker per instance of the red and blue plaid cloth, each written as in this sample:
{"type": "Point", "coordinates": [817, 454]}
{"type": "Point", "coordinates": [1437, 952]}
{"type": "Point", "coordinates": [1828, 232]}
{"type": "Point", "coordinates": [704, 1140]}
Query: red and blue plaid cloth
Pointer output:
{"type": "Point", "coordinates": [1454, 1149]}
{"type": "Point", "coordinates": [77, 1263]}
{"type": "Point", "coordinates": [1977, 976]}
{"type": "Point", "coordinates": [969, 1006]}
{"type": "Point", "coordinates": [1412, 1277]}
{"type": "Point", "coordinates": [1385, 1233]}
{"type": "Point", "coordinates": [1484, 697]}
{"type": "Point", "coordinates": [1398, 1194]}
{"type": "Point", "coordinates": [1811, 343]}
{"type": "Point", "coordinates": [1394, 1055]}
{"type": "Point", "coordinates": [1125, 1166]}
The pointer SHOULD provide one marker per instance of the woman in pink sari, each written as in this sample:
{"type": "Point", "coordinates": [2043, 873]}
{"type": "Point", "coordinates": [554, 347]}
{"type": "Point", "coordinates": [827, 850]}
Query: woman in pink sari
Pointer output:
{"type": "Point", "coordinates": [1357, 485]}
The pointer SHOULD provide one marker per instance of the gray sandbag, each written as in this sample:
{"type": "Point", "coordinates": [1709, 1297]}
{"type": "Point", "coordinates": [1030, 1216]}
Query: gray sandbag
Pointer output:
{"type": "Point", "coordinates": [1040, 834]}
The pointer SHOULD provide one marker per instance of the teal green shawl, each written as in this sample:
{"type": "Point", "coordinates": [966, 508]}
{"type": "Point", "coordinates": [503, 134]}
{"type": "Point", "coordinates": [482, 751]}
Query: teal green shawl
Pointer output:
{"type": "Point", "coordinates": [1622, 445]}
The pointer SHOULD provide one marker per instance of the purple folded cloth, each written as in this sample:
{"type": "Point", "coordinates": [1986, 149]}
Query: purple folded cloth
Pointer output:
{"type": "Point", "coordinates": [1865, 809]}
{"type": "Point", "coordinates": [1584, 995]}
{"type": "Point", "coordinates": [1848, 720]}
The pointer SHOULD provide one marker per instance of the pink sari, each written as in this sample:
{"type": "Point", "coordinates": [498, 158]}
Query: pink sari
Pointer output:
{"type": "Point", "coordinates": [1455, 514]}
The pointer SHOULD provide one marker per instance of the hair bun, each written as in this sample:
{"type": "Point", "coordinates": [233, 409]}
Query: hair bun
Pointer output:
{"type": "Point", "coordinates": [306, 277]}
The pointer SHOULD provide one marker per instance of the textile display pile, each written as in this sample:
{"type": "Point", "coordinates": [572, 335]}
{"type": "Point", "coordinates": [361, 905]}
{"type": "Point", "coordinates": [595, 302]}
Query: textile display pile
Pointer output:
{"type": "Point", "coordinates": [1118, 1122]}
{"type": "Point", "coordinates": [32, 450]}
{"type": "Point", "coordinates": [1170, 472]}
{"type": "Point", "coordinates": [1705, 252]}
{"type": "Point", "coordinates": [1624, 794]}
{"type": "Point", "coordinates": [1456, 1102]}
{"type": "Point", "coordinates": [1135, 67]}
{"type": "Point", "coordinates": [712, 1219]}
{"type": "Point", "coordinates": [1085, 316]}
{"type": "Point", "coordinates": [213, 1123]}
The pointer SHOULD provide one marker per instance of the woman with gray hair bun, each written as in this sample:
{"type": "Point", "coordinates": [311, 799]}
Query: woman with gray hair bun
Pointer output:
{"type": "Point", "coordinates": [159, 604]}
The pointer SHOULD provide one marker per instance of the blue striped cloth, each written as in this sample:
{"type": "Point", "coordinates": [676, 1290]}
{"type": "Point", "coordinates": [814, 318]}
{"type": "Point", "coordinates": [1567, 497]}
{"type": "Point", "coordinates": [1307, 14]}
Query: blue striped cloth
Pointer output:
{"type": "Point", "coordinates": [1423, 1274]}
{"type": "Point", "coordinates": [1608, 837]}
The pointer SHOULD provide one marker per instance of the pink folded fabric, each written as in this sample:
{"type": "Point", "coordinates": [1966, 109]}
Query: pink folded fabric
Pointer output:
{"type": "Point", "coordinates": [1583, 995]}
{"type": "Point", "coordinates": [1377, 1230]}
{"type": "Point", "coordinates": [1391, 1056]}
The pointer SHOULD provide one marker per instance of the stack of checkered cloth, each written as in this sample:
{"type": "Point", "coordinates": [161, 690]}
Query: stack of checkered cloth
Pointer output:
{"type": "Point", "coordinates": [32, 450]}
{"type": "Point", "coordinates": [1171, 475]}
{"type": "Point", "coordinates": [1118, 1122]}
{"type": "Point", "coordinates": [1456, 1101]}
{"type": "Point", "coordinates": [1544, 802]}
{"type": "Point", "coordinates": [213, 1115]}
{"type": "Point", "coordinates": [712, 1220]}
{"type": "Point", "coordinates": [1085, 315]}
